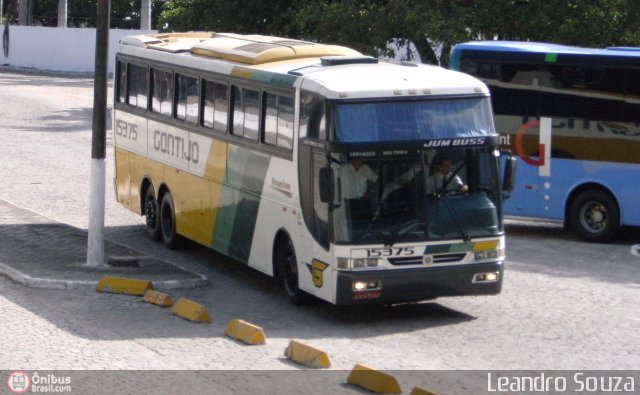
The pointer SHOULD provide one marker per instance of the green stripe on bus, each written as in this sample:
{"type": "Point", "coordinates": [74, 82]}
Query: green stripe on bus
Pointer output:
{"type": "Point", "coordinates": [239, 202]}
{"type": "Point", "coordinates": [551, 57]}
{"type": "Point", "coordinates": [282, 80]}
{"type": "Point", "coordinates": [449, 248]}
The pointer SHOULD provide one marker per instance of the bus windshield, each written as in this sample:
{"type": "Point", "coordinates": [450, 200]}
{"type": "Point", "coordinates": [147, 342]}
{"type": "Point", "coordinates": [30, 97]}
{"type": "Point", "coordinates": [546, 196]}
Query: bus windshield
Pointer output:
{"type": "Point", "coordinates": [402, 120]}
{"type": "Point", "coordinates": [429, 194]}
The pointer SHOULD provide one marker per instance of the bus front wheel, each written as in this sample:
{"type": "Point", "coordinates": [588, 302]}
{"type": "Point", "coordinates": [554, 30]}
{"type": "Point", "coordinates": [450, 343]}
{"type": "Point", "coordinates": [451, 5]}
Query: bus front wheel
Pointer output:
{"type": "Point", "coordinates": [287, 266]}
{"type": "Point", "coordinates": [594, 216]}
{"type": "Point", "coordinates": [168, 222]}
{"type": "Point", "coordinates": [151, 215]}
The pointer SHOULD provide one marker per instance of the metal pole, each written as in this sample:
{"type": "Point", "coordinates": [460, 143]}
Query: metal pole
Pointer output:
{"type": "Point", "coordinates": [95, 247]}
{"type": "Point", "coordinates": [62, 13]}
{"type": "Point", "coordinates": [145, 15]}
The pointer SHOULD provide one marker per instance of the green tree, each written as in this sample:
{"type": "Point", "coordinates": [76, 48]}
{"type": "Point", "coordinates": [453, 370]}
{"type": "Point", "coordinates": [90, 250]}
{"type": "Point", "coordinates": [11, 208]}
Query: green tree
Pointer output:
{"type": "Point", "coordinates": [368, 25]}
{"type": "Point", "coordinates": [254, 16]}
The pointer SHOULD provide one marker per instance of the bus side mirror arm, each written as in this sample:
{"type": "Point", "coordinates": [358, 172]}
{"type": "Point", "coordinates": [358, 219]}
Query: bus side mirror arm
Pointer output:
{"type": "Point", "coordinates": [509, 176]}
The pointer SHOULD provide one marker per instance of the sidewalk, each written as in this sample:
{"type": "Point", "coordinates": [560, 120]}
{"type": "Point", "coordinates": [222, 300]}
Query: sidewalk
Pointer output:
{"type": "Point", "coordinates": [38, 252]}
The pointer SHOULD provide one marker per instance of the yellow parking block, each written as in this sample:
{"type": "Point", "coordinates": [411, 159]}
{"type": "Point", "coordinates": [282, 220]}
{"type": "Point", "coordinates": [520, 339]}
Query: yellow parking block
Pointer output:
{"type": "Point", "coordinates": [159, 298]}
{"type": "Point", "coordinates": [422, 391]}
{"type": "Point", "coordinates": [122, 285]}
{"type": "Point", "coordinates": [245, 332]}
{"type": "Point", "coordinates": [192, 311]}
{"type": "Point", "coordinates": [373, 380]}
{"type": "Point", "coordinates": [306, 355]}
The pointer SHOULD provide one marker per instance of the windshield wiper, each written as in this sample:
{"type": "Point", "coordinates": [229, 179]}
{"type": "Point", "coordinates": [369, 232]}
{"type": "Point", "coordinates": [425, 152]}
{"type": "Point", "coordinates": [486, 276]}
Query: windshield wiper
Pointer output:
{"type": "Point", "coordinates": [454, 216]}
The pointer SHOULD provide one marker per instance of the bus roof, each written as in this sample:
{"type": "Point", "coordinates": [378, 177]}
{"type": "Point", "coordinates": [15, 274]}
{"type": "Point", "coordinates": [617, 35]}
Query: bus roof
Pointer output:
{"type": "Point", "coordinates": [335, 71]}
{"type": "Point", "coordinates": [544, 48]}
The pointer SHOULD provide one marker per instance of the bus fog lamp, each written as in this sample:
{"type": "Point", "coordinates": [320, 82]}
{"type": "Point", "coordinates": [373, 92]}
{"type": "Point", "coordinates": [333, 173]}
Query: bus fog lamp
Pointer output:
{"type": "Point", "coordinates": [490, 277]}
{"type": "Point", "coordinates": [366, 285]}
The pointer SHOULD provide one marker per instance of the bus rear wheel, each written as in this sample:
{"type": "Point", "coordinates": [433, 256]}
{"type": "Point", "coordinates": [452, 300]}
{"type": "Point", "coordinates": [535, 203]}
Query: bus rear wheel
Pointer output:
{"type": "Point", "coordinates": [594, 216]}
{"type": "Point", "coordinates": [168, 222]}
{"type": "Point", "coordinates": [151, 215]}
{"type": "Point", "coordinates": [287, 266]}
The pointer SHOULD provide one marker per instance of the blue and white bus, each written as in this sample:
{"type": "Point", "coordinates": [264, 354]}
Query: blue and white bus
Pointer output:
{"type": "Point", "coordinates": [572, 115]}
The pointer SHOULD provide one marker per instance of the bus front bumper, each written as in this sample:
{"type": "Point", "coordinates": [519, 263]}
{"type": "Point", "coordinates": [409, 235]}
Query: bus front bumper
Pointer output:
{"type": "Point", "coordinates": [412, 285]}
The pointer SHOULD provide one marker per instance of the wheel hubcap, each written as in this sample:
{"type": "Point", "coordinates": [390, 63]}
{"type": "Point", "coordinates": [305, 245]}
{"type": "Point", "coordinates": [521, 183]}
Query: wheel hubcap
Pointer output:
{"type": "Point", "coordinates": [593, 217]}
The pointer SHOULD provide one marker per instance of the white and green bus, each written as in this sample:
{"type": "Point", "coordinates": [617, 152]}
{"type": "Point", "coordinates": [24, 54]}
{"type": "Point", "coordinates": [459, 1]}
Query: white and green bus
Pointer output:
{"type": "Point", "coordinates": [239, 143]}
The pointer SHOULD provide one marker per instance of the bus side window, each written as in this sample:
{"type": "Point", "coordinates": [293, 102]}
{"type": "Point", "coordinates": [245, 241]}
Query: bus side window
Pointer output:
{"type": "Point", "coordinates": [632, 96]}
{"type": "Point", "coordinates": [161, 95]}
{"type": "Point", "coordinates": [251, 113]}
{"type": "Point", "coordinates": [515, 78]}
{"type": "Point", "coordinates": [237, 111]}
{"type": "Point", "coordinates": [187, 102]}
{"type": "Point", "coordinates": [312, 118]}
{"type": "Point", "coordinates": [216, 106]}
{"type": "Point", "coordinates": [278, 120]}
{"type": "Point", "coordinates": [245, 104]}
{"type": "Point", "coordinates": [285, 122]}
{"type": "Point", "coordinates": [584, 92]}
{"type": "Point", "coordinates": [121, 87]}
{"type": "Point", "coordinates": [138, 86]}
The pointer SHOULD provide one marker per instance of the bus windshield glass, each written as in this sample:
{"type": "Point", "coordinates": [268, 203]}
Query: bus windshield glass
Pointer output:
{"type": "Point", "coordinates": [428, 194]}
{"type": "Point", "coordinates": [403, 120]}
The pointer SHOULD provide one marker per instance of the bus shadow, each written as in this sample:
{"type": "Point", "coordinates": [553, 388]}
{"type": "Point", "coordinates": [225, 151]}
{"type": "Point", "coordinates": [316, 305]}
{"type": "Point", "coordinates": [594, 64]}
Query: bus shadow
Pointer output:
{"type": "Point", "coordinates": [234, 291]}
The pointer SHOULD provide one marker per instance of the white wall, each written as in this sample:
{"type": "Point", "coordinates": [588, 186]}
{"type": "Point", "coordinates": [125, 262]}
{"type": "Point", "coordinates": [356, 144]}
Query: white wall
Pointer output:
{"type": "Point", "coordinates": [58, 49]}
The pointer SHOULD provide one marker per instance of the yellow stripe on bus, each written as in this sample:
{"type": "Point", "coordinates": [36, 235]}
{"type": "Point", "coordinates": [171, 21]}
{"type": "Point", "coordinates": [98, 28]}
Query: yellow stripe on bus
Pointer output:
{"type": "Point", "coordinates": [486, 245]}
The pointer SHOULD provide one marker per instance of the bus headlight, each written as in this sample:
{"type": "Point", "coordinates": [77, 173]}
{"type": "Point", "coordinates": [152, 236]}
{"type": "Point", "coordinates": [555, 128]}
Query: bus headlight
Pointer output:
{"type": "Point", "coordinates": [356, 263]}
{"type": "Point", "coordinates": [488, 255]}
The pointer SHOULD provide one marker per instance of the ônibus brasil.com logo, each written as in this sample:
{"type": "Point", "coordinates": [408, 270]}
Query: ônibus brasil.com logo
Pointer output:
{"type": "Point", "coordinates": [18, 382]}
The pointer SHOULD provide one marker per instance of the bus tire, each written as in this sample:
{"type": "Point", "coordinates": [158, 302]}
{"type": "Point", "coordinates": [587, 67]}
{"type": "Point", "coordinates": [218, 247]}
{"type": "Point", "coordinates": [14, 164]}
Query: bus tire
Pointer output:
{"type": "Point", "coordinates": [594, 216]}
{"type": "Point", "coordinates": [152, 221]}
{"type": "Point", "coordinates": [287, 267]}
{"type": "Point", "coordinates": [168, 222]}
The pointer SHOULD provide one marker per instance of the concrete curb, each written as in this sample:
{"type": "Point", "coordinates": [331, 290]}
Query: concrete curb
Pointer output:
{"type": "Point", "coordinates": [48, 283]}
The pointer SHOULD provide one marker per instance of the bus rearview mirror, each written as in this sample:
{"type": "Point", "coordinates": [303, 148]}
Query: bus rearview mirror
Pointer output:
{"type": "Point", "coordinates": [509, 177]}
{"type": "Point", "coordinates": [327, 189]}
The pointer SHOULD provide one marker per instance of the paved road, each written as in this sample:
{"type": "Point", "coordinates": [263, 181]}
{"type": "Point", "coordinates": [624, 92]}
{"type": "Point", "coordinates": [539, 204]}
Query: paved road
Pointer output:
{"type": "Point", "coordinates": [565, 304]}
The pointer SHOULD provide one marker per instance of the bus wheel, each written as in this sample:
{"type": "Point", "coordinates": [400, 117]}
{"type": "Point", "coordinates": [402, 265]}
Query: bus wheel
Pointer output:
{"type": "Point", "coordinates": [594, 216]}
{"type": "Point", "coordinates": [287, 266]}
{"type": "Point", "coordinates": [151, 214]}
{"type": "Point", "coordinates": [168, 222]}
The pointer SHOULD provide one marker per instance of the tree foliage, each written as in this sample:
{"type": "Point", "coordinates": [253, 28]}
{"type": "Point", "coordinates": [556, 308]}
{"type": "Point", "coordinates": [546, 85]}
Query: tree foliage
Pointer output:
{"type": "Point", "coordinates": [368, 25]}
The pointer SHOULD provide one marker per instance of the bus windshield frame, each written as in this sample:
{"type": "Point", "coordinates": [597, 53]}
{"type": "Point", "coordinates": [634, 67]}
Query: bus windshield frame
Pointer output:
{"type": "Point", "coordinates": [400, 143]}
